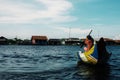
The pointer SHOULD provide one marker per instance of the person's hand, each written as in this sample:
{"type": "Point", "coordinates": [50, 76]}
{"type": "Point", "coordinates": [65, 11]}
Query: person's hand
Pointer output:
{"type": "Point", "coordinates": [85, 49]}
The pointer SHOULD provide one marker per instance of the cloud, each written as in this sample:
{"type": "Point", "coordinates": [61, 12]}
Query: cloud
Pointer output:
{"type": "Point", "coordinates": [45, 11]}
{"type": "Point", "coordinates": [117, 37]}
{"type": "Point", "coordinates": [87, 0]}
{"type": "Point", "coordinates": [73, 30]}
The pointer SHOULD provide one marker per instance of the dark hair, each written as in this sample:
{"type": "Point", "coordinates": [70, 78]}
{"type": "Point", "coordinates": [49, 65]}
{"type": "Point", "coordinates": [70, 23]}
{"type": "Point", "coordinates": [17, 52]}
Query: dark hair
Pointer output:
{"type": "Point", "coordinates": [90, 38]}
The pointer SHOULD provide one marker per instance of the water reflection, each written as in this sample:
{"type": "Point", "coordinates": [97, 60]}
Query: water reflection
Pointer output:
{"type": "Point", "coordinates": [98, 72]}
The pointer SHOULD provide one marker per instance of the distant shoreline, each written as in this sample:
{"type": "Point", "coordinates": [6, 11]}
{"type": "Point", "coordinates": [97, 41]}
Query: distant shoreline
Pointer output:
{"type": "Point", "coordinates": [43, 40]}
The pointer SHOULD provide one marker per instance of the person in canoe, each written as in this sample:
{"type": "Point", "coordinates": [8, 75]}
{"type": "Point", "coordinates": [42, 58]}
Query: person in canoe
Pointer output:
{"type": "Point", "coordinates": [94, 53]}
{"type": "Point", "coordinates": [89, 42]}
{"type": "Point", "coordinates": [90, 54]}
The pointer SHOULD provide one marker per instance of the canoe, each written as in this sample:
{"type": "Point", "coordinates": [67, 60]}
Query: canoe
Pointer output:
{"type": "Point", "coordinates": [93, 56]}
{"type": "Point", "coordinates": [89, 57]}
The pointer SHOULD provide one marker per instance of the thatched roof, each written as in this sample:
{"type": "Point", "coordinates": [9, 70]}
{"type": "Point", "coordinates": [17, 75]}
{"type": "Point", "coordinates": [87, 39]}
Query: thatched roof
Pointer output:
{"type": "Point", "coordinates": [3, 38]}
{"type": "Point", "coordinates": [39, 38]}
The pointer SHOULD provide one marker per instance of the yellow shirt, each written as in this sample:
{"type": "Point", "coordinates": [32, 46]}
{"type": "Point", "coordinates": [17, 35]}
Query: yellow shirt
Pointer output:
{"type": "Point", "coordinates": [89, 57]}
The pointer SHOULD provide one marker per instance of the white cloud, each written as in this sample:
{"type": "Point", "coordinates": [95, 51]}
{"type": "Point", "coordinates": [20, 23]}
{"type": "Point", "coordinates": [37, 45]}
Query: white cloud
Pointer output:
{"type": "Point", "coordinates": [73, 30]}
{"type": "Point", "coordinates": [56, 7]}
{"type": "Point", "coordinates": [20, 12]}
{"type": "Point", "coordinates": [117, 37]}
{"type": "Point", "coordinates": [87, 0]}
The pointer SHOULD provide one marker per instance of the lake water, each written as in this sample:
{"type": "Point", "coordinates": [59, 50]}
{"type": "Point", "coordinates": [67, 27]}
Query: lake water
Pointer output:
{"type": "Point", "coordinates": [53, 63]}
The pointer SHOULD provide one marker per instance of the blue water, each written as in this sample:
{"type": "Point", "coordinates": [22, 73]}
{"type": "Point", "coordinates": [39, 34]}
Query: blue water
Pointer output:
{"type": "Point", "coordinates": [53, 63]}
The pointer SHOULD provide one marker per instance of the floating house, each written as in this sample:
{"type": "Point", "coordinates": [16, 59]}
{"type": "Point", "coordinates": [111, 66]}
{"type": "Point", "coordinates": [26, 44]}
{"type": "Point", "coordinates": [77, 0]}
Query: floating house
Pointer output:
{"type": "Point", "coordinates": [72, 41]}
{"type": "Point", "coordinates": [109, 41]}
{"type": "Point", "coordinates": [39, 40]}
{"type": "Point", "coordinates": [54, 42]}
{"type": "Point", "coordinates": [3, 40]}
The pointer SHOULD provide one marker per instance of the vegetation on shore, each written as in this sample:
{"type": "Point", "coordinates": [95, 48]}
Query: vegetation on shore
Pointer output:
{"type": "Point", "coordinates": [67, 41]}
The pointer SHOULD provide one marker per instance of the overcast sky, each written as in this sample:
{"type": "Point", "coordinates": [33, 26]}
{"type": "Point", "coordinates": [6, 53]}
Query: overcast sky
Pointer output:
{"type": "Point", "coordinates": [56, 18]}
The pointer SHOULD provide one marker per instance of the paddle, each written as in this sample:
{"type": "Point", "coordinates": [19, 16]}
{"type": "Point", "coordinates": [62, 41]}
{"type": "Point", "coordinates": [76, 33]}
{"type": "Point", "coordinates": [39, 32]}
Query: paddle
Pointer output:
{"type": "Point", "coordinates": [90, 32]}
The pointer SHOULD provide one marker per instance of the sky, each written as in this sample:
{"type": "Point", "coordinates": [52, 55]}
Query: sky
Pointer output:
{"type": "Point", "coordinates": [60, 18]}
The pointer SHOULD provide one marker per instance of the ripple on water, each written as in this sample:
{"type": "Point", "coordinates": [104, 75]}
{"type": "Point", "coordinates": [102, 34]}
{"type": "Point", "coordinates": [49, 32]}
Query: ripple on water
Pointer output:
{"type": "Point", "coordinates": [53, 63]}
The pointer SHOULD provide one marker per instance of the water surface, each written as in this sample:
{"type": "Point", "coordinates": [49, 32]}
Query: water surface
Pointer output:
{"type": "Point", "coordinates": [53, 63]}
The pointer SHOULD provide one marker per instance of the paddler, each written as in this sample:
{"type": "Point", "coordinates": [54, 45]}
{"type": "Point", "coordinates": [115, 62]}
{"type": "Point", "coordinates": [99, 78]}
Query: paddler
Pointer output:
{"type": "Point", "coordinates": [90, 54]}
{"type": "Point", "coordinates": [89, 42]}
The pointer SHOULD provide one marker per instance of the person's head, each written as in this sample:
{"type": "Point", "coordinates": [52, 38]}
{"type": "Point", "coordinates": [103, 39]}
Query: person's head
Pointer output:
{"type": "Point", "coordinates": [89, 40]}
